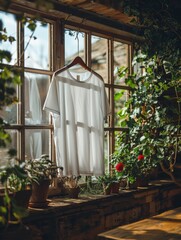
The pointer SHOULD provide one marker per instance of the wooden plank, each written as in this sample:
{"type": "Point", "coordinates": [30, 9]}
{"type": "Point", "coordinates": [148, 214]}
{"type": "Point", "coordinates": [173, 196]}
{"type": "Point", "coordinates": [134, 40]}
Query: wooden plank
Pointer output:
{"type": "Point", "coordinates": [72, 2]}
{"type": "Point", "coordinates": [160, 227]}
{"type": "Point", "coordinates": [103, 8]}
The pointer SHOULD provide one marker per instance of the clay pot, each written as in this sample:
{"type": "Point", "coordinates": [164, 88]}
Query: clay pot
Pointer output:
{"type": "Point", "coordinates": [106, 189]}
{"type": "Point", "coordinates": [73, 192]}
{"type": "Point", "coordinates": [115, 187]}
{"type": "Point", "coordinates": [39, 194]}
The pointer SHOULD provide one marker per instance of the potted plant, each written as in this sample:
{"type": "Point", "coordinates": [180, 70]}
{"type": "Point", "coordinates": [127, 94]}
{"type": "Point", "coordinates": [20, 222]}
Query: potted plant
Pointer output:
{"type": "Point", "coordinates": [16, 186]}
{"type": "Point", "coordinates": [109, 182]}
{"type": "Point", "coordinates": [135, 171]}
{"type": "Point", "coordinates": [71, 184]}
{"type": "Point", "coordinates": [43, 171]}
{"type": "Point", "coordinates": [14, 198]}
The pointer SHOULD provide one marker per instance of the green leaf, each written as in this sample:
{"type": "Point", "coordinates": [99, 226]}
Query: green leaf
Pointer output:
{"type": "Point", "coordinates": [118, 95]}
{"type": "Point", "coordinates": [11, 39]}
{"type": "Point", "coordinates": [3, 210]}
{"type": "Point", "coordinates": [142, 138]}
{"type": "Point", "coordinates": [32, 25]}
{"type": "Point", "coordinates": [5, 55]}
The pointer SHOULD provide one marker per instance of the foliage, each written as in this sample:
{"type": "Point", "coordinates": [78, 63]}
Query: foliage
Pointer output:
{"type": "Point", "coordinates": [158, 22]}
{"type": "Point", "coordinates": [152, 114]}
{"type": "Point", "coordinates": [107, 179]}
{"type": "Point", "coordinates": [14, 178]}
{"type": "Point", "coordinates": [153, 123]}
{"type": "Point", "coordinates": [41, 168]}
{"type": "Point", "coordinates": [70, 181]}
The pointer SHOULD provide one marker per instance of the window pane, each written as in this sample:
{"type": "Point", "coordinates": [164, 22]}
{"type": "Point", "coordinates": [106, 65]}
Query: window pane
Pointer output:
{"type": "Point", "coordinates": [120, 96]}
{"type": "Point", "coordinates": [9, 113]}
{"type": "Point", "coordinates": [120, 60]}
{"type": "Point", "coordinates": [9, 29]}
{"type": "Point", "coordinates": [37, 143]}
{"type": "Point", "coordinates": [36, 87]}
{"type": "Point", "coordinates": [37, 47]}
{"type": "Point", "coordinates": [99, 56]}
{"type": "Point", "coordinates": [74, 45]}
{"type": "Point", "coordinates": [117, 142]}
{"type": "Point", "coordinates": [4, 151]}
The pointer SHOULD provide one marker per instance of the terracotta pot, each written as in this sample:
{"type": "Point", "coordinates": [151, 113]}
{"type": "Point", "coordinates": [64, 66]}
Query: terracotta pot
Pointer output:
{"type": "Point", "coordinates": [73, 192]}
{"type": "Point", "coordinates": [106, 189]}
{"type": "Point", "coordinates": [39, 194]}
{"type": "Point", "coordinates": [22, 198]}
{"type": "Point", "coordinates": [132, 185]}
{"type": "Point", "coordinates": [123, 183]}
{"type": "Point", "coordinates": [142, 181]}
{"type": "Point", "coordinates": [115, 187]}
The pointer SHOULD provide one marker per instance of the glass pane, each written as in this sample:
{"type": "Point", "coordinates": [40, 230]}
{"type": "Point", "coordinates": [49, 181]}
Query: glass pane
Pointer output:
{"type": "Point", "coordinates": [37, 47]}
{"type": "Point", "coordinates": [37, 143]}
{"type": "Point", "coordinates": [36, 88]}
{"type": "Point", "coordinates": [99, 57]}
{"type": "Point", "coordinates": [120, 96]}
{"type": "Point", "coordinates": [117, 141]}
{"type": "Point", "coordinates": [4, 151]}
{"type": "Point", "coordinates": [9, 28]}
{"type": "Point", "coordinates": [74, 45]}
{"type": "Point", "coordinates": [120, 60]}
{"type": "Point", "coordinates": [9, 114]}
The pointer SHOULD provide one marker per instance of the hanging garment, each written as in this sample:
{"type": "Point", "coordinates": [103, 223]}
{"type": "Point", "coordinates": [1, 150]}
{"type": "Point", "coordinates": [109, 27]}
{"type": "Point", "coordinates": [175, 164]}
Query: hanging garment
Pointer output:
{"type": "Point", "coordinates": [79, 105]}
{"type": "Point", "coordinates": [34, 138]}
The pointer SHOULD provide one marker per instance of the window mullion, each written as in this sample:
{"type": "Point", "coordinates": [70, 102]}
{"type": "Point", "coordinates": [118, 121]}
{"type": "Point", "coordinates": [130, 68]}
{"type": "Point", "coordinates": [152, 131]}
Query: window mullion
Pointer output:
{"type": "Point", "coordinates": [21, 121]}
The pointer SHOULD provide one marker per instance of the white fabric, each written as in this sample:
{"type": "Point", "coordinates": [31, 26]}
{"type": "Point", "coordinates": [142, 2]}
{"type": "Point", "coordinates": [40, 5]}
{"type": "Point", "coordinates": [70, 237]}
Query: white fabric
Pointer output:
{"type": "Point", "coordinates": [78, 105]}
{"type": "Point", "coordinates": [34, 139]}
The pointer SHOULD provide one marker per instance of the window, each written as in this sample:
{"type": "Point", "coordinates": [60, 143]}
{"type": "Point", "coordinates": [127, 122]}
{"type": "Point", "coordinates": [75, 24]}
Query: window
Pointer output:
{"type": "Point", "coordinates": [30, 125]}
{"type": "Point", "coordinates": [40, 53]}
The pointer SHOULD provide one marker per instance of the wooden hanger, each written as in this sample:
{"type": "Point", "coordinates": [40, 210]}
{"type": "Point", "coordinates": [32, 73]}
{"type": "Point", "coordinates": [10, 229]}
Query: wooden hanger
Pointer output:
{"type": "Point", "coordinates": [78, 60]}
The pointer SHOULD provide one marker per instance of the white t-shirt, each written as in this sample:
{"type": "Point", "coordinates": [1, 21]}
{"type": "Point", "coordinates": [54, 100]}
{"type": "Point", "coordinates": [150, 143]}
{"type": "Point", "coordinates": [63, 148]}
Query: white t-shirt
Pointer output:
{"type": "Point", "coordinates": [78, 103]}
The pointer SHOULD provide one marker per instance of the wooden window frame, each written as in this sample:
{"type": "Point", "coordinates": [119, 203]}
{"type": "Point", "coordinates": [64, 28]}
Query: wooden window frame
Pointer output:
{"type": "Point", "coordinates": [58, 24]}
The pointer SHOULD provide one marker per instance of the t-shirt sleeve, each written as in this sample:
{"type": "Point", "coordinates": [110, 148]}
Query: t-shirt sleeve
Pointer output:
{"type": "Point", "coordinates": [51, 102]}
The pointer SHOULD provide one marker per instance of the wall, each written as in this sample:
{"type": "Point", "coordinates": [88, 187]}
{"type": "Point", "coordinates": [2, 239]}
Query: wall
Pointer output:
{"type": "Point", "coordinates": [84, 218]}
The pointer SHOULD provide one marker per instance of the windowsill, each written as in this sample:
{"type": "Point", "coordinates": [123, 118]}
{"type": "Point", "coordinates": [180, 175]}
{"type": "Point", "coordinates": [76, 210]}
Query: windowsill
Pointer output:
{"type": "Point", "coordinates": [65, 201]}
{"type": "Point", "coordinates": [89, 215]}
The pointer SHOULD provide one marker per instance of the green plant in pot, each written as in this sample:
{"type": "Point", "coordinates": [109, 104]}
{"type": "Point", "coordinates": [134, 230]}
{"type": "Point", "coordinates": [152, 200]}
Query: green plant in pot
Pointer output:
{"type": "Point", "coordinates": [43, 171]}
{"type": "Point", "coordinates": [14, 196]}
{"type": "Point", "coordinates": [107, 180]}
{"type": "Point", "coordinates": [71, 184]}
{"type": "Point", "coordinates": [134, 169]}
